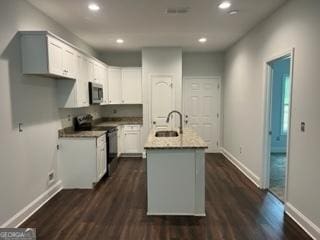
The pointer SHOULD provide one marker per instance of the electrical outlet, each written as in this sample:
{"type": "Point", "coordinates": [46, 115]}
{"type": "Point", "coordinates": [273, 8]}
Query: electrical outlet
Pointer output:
{"type": "Point", "coordinates": [51, 177]}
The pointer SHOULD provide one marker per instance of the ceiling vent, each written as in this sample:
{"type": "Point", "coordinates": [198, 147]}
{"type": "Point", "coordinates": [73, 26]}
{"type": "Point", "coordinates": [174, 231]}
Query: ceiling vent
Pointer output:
{"type": "Point", "coordinates": [178, 10]}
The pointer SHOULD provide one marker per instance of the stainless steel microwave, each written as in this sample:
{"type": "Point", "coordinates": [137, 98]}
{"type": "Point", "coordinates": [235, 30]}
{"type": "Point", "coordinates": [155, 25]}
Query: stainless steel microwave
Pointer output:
{"type": "Point", "coordinates": [95, 93]}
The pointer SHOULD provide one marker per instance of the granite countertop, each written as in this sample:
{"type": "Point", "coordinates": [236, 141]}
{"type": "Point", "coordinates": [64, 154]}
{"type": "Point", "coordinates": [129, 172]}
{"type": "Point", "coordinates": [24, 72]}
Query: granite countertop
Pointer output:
{"type": "Point", "coordinates": [70, 133]}
{"type": "Point", "coordinates": [189, 139]}
{"type": "Point", "coordinates": [102, 122]}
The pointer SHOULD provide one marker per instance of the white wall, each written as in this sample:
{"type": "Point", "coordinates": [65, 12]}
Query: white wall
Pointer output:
{"type": "Point", "coordinates": [27, 157]}
{"type": "Point", "coordinates": [202, 64]}
{"type": "Point", "coordinates": [121, 59]}
{"type": "Point", "coordinates": [167, 61]}
{"type": "Point", "coordinates": [296, 24]}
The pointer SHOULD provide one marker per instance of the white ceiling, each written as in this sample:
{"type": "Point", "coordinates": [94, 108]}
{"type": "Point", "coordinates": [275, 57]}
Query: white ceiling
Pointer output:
{"type": "Point", "coordinates": [143, 23]}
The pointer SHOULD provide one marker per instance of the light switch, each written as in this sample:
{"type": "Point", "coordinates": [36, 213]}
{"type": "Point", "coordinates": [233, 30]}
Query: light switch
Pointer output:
{"type": "Point", "coordinates": [303, 126]}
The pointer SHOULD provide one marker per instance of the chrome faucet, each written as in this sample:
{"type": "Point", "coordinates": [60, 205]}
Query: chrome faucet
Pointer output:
{"type": "Point", "coordinates": [180, 114]}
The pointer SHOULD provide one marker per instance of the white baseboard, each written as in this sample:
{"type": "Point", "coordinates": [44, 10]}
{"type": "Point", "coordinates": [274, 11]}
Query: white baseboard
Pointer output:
{"type": "Point", "coordinates": [176, 214]}
{"type": "Point", "coordinates": [305, 223]}
{"type": "Point", "coordinates": [246, 171]}
{"type": "Point", "coordinates": [32, 207]}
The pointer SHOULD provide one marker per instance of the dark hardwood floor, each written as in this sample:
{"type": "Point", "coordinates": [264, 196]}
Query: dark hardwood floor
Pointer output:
{"type": "Point", "coordinates": [116, 209]}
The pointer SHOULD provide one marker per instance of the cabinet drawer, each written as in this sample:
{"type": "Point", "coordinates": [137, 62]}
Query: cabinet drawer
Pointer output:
{"type": "Point", "coordinates": [131, 128]}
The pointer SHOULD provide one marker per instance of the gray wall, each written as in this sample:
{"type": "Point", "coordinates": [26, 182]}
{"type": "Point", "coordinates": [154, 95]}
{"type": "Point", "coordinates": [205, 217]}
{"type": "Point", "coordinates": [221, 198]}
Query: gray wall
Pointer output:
{"type": "Point", "coordinates": [193, 63]}
{"type": "Point", "coordinates": [296, 25]}
{"type": "Point", "coordinates": [160, 61]}
{"type": "Point", "coordinates": [121, 59]}
{"type": "Point", "coordinates": [202, 64]}
{"type": "Point", "coordinates": [27, 157]}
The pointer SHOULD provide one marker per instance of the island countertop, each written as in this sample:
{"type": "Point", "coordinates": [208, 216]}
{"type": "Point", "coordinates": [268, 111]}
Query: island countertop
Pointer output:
{"type": "Point", "coordinates": [189, 139]}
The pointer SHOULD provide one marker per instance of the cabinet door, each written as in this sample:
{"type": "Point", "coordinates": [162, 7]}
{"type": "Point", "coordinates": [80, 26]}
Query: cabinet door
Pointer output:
{"type": "Point", "coordinates": [55, 56]}
{"type": "Point", "coordinates": [114, 91]}
{"type": "Point", "coordinates": [131, 86]}
{"type": "Point", "coordinates": [120, 140]}
{"type": "Point", "coordinates": [98, 75]}
{"type": "Point", "coordinates": [82, 81]}
{"type": "Point", "coordinates": [105, 85]}
{"type": "Point", "coordinates": [90, 70]}
{"type": "Point", "coordinates": [101, 159]}
{"type": "Point", "coordinates": [132, 142]}
{"type": "Point", "coordinates": [69, 60]}
{"type": "Point", "coordinates": [101, 162]}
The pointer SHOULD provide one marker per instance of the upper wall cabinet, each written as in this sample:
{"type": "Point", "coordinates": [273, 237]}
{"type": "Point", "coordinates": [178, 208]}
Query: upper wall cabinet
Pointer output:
{"type": "Point", "coordinates": [74, 93]}
{"type": "Point", "coordinates": [44, 54]}
{"type": "Point", "coordinates": [124, 85]}
{"type": "Point", "coordinates": [114, 86]}
{"type": "Point", "coordinates": [131, 86]}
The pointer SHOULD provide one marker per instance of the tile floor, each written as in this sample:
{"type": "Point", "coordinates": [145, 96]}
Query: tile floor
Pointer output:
{"type": "Point", "coordinates": [277, 174]}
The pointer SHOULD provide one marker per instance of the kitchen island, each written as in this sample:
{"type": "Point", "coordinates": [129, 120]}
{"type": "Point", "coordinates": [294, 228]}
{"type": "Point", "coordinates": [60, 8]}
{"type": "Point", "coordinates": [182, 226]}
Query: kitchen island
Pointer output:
{"type": "Point", "coordinates": [176, 174]}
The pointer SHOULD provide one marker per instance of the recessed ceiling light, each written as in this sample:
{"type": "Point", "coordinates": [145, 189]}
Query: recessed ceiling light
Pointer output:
{"type": "Point", "coordinates": [224, 5]}
{"type": "Point", "coordinates": [234, 12]}
{"type": "Point", "coordinates": [202, 40]}
{"type": "Point", "coordinates": [94, 7]}
{"type": "Point", "coordinates": [119, 40]}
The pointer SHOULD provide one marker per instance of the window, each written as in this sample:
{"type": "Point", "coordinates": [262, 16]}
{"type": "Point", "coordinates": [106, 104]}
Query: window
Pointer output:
{"type": "Point", "coordinates": [286, 82]}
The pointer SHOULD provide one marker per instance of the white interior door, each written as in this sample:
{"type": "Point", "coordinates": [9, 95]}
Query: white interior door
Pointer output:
{"type": "Point", "coordinates": [161, 101]}
{"type": "Point", "coordinates": [201, 100]}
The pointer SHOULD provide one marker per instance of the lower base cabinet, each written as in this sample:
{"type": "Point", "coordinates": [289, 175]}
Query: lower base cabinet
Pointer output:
{"type": "Point", "coordinates": [130, 140]}
{"type": "Point", "coordinates": [82, 161]}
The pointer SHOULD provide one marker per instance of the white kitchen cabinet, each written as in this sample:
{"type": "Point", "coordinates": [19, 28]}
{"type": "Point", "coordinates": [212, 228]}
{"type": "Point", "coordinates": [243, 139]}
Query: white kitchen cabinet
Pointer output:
{"type": "Point", "coordinates": [131, 141]}
{"type": "Point", "coordinates": [101, 157]}
{"type": "Point", "coordinates": [114, 85]}
{"type": "Point", "coordinates": [124, 85]}
{"type": "Point", "coordinates": [74, 93]}
{"type": "Point", "coordinates": [55, 55]}
{"type": "Point", "coordinates": [43, 54]}
{"type": "Point", "coordinates": [103, 79]}
{"type": "Point", "coordinates": [98, 73]}
{"type": "Point", "coordinates": [69, 62]}
{"type": "Point", "coordinates": [81, 161]}
{"type": "Point", "coordinates": [120, 140]}
{"type": "Point", "coordinates": [131, 86]}
{"type": "Point", "coordinates": [105, 88]}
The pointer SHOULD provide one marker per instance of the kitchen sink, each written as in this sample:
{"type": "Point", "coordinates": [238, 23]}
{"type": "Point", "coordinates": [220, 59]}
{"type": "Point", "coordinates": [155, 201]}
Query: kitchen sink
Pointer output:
{"type": "Point", "coordinates": [167, 134]}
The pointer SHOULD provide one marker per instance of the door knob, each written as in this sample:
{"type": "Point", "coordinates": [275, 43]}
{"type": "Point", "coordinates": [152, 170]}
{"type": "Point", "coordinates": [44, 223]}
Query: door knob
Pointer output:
{"type": "Point", "coordinates": [154, 122]}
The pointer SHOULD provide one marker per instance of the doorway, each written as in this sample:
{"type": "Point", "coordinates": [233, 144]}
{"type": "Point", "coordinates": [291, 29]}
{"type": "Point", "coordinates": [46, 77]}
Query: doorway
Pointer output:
{"type": "Point", "coordinates": [279, 78]}
{"type": "Point", "coordinates": [201, 108]}
{"type": "Point", "coordinates": [162, 101]}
